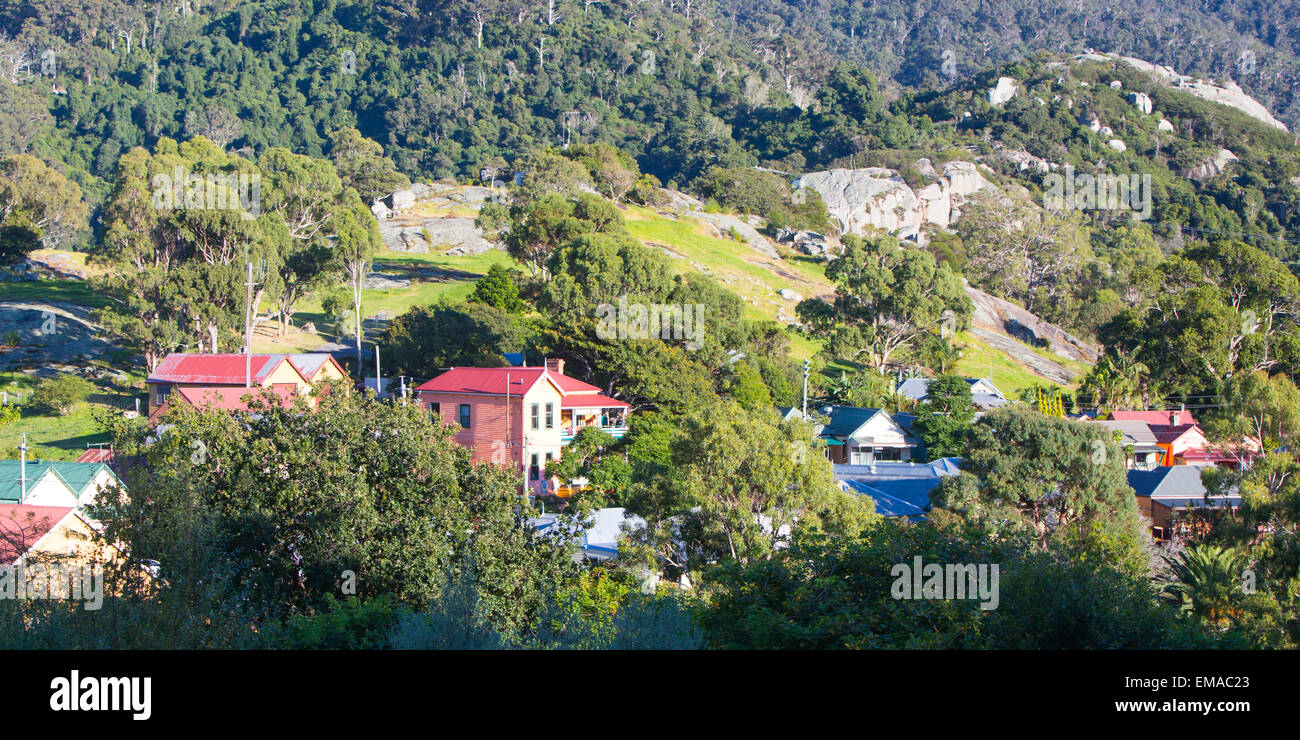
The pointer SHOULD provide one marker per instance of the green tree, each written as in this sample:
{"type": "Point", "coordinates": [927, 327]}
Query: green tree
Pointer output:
{"type": "Point", "coordinates": [61, 393]}
{"type": "Point", "coordinates": [498, 289]}
{"type": "Point", "coordinates": [886, 297]}
{"type": "Point", "coordinates": [944, 417]}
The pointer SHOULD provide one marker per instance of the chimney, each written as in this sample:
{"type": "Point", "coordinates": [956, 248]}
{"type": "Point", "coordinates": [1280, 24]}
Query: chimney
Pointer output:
{"type": "Point", "coordinates": [1173, 418]}
{"type": "Point", "coordinates": [555, 365]}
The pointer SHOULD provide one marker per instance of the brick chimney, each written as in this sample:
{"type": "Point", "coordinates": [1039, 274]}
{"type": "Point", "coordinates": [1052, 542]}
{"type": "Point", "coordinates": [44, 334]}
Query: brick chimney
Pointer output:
{"type": "Point", "coordinates": [555, 365]}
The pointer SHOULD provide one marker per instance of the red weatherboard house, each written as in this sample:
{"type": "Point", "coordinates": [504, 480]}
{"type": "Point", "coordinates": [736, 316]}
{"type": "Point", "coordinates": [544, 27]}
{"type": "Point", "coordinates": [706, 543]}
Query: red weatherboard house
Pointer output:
{"type": "Point", "coordinates": [520, 417]}
{"type": "Point", "coordinates": [218, 381]}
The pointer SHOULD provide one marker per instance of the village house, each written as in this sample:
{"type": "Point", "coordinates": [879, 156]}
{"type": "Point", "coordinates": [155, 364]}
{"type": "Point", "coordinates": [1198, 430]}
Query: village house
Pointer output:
{"type": "Point", "coordinates": [58, 484]}
{"type": "Point", "coordinates": [1142, 450]}
{"type": "Point", "coordinates": [1173, 500]}
{"type": "Point", "coordinates": [898, 489]}
{"type": "Point", "coordinates": [31, 533]}
{"type": "Point", "coordinates": [222, 380]}
{"type": "Point", "coordinates": [859, 436]}
{"type": "Point", "coordinates": [521, 417]}
{"type": "Point", "coordinates": [984, 394]}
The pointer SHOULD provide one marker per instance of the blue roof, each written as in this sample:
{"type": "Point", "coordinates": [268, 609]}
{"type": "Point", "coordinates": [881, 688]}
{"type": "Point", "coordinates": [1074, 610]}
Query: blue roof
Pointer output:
{"type": "Point", "coordinates": [909, 497]}
{"type": "Point", "coordinates": [1178, 481]}
{"type": "Point", "coordinates": [844, 420]}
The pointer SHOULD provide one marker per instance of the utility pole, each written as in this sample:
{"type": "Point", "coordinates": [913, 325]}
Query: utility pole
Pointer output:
{"type": "Point", "coordinates": [250, 312]}
{"type": "Point", "coordinates": [805, 388]}
{"type": "Point", "coordinates": [379, 385]}
{"type": "Point", "coordinates": [22, 469]}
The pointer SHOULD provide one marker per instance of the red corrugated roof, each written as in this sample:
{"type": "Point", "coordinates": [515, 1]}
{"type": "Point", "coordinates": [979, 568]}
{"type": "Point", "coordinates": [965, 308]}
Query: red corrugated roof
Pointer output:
{"type": "Point", "coordinates": [591, 401]}
{"type": "Point", "coordinates": [22, 526]}
{"type": "Point", "coordinates": [223, 369]}
{"type": "Point", "coordinates": [96, 455]}
{"type": "Point", "coordinates": [492, 381]}
{"type": "Point", "coordinates": [1153, 417]}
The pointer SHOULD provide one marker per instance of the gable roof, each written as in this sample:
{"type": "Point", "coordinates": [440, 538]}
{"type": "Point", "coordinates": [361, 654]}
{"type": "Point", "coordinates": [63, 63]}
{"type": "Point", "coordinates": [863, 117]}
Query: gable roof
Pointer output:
{"type": "Point", "coordinates": [844, 420]}
{"type": "Point", "coordinates": [1132, 433]}
{"type": "Point", "coordinates": [310, 363]}
{"type": "Point", "coordinates": [1166, 434]}
{"type": "Point", "coordinates": [492, 381]}
{"type": "Point", "coordinates": [1153, 417]}
{"type": "Point", "coordinates": [76, 476]}
{"type": "Point", "coordinates": [22, 526]}
{"type": "Point", "coordinates": [1175, 481]}
{"type": "Point", "coordinates": [898, 489]}
{"type": "Point", "coordinates": [219, 369]}
{"type": "Point", "coordinates": [918, 388]}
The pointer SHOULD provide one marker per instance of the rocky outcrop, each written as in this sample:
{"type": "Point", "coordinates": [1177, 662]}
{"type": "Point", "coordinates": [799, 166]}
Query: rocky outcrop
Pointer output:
{"type": "Point", "coordinates": [1017, 330]}
{"type": "Point", "coordinates": [725, 224]}
{"type": "Point", "coordinates": [808, 242]}
{"type": "Point", "coordinates": [457, 235]}
{"type": "Point", "coordinates": [50, 334]}
{"type": "Point", "coordinates": [1117, 145]}
{"type": "Point", "coordinates": [875, 197]}
{"type": "Point", "coordinates": [1003, 91]}
{"type": "Point", "coordinates": [1141, 101]}
{"type": "Point", "coordinates": [1211, 167]}
{"type": "Point", "coordinates": [1229, 93]}
{"type": "Point", "coordinates": [1165, 125]}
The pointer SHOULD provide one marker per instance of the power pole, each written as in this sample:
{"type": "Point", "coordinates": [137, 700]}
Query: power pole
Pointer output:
{"type": "Point", "coordinates": [250, 312]}
{"type": "Point", "coordinates": [805, 388]}
{"type": "Point", "coordinates": [22, 469]}
{"type": "Point", "coordinates": [379, 384]}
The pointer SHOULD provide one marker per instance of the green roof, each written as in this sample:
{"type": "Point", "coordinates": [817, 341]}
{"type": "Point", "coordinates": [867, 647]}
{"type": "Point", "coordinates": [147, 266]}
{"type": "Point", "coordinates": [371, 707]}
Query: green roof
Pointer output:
{"type": "Point", "coordinates": [76, 476]}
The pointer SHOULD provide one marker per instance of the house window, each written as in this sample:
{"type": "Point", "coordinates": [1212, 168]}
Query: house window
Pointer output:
{"type": "Point", "coordinates": [464, 415]}
{"type": "Point", "coordinates": [436, 410]}
{"type": "Point", "coordinates": [163, 390]}
{"type": "Point", "coordinates": [535, 413]}
{"type": "Point", "coordinates": [550, 417]}
{"type": "Point", "coordinates": [533, 471]}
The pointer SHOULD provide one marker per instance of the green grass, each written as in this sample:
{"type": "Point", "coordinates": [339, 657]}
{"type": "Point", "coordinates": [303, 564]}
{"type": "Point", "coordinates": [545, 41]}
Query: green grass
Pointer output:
{"type": "Point", "coordinates": [455, 286]}
{"type": "Point", "coordinates": [1008, 375]}
{"type": "Point", "coordinates": [55, 437]}
{"type": "Point", "coordinates": [53, 291]}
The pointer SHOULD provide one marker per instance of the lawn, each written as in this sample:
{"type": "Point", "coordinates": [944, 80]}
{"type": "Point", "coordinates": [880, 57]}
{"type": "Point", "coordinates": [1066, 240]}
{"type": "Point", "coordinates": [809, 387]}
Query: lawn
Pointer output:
{"type": "Point", "coordinates": [57, 437]}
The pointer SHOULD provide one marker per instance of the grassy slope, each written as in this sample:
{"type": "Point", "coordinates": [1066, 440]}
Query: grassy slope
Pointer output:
{"type": "Point", "coordinates": [753, 276]}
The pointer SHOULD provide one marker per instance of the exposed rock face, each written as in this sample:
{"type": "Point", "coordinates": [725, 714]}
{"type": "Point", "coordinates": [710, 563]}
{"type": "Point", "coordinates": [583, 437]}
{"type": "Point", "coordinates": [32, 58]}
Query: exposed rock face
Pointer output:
{"type": "Point", "coordinates": [1026, 161]}
{"type": "Point", "coordinates": [1229, 93]}
{"type": "Point", "coordinates": [460, 233]}
{"type": "Point", "coordinates": [723, 224]}
{"type": "Point", "coordinates": [875, 197]}
{"type": "Point", "coordinates": [1141, 101]}
{"type": "Point", "coordinates": [1165, 125]}
{"type": "Point", "coordinates": [1211, 167]}
{"type": "Point", "coordinates": [1003, 91]}
{"type": "Point", "coordinates": [50, 334]}
{"type": "Point", "coordinates": [1006, 326]}
{"type": "Point", "coordinates": [808, 242]}
{"type": "Point", "coordinates": [789, 295]}
{"type": "Point", "coordinates": [1117, 145]}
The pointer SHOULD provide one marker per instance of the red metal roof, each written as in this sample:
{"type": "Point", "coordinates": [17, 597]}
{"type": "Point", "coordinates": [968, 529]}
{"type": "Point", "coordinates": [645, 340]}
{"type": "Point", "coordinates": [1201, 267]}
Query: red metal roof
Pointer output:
{"type": "Point", "coordinates": [22, 526]}
{"type": "Point", "coordinates": [97, 455]}
{"type": "Point", "coordinates": [231, 399]}
{"type": "Point", "coordinates": [492, 381]}
{"type": "Point", "coordinates": [591, 401]}
{"type": "Point", "coordinates": [223, 369]}
{"type": "Point", "coordinates": [1153, 417]}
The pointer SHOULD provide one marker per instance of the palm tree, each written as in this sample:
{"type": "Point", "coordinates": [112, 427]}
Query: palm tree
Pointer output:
{"type": "Point", "coordinates": [1207, 581]}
